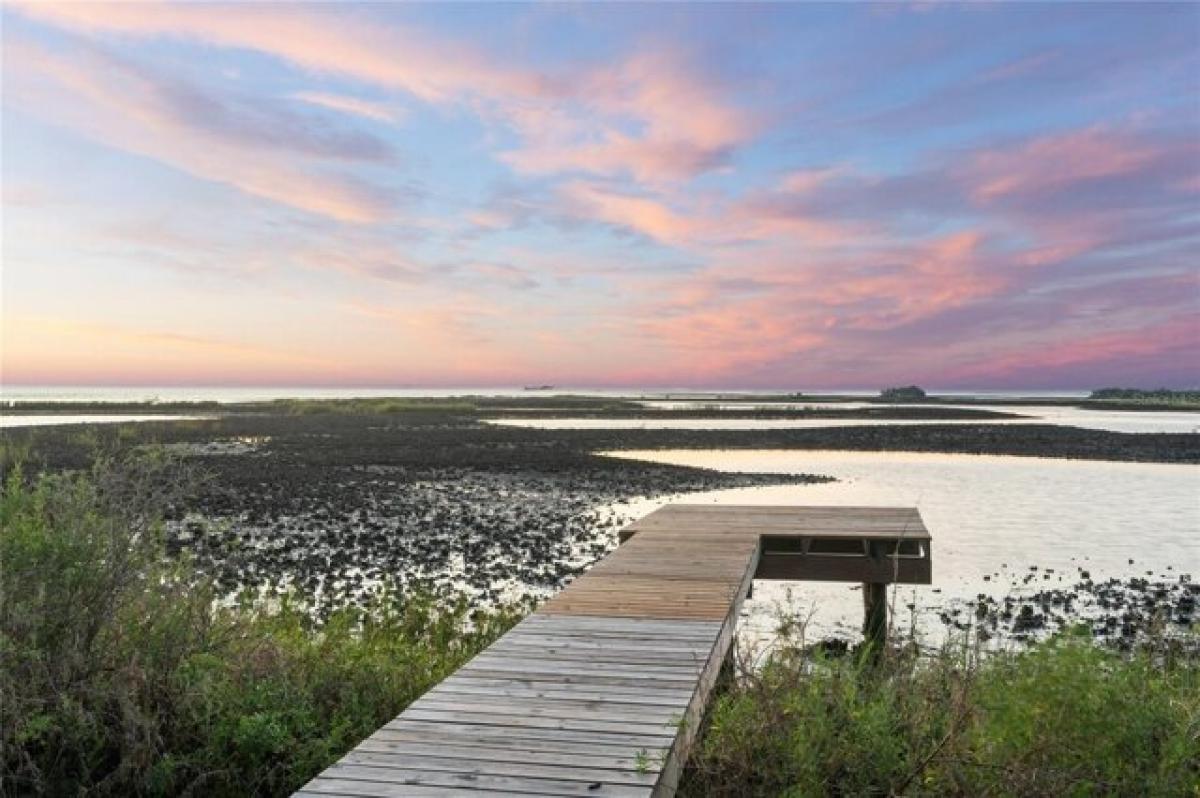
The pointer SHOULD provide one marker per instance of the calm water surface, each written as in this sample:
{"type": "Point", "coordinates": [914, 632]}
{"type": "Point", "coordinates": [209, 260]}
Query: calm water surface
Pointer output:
{"type": "Point", "coordinates": [991, 517]}
{"type": "Point", "coordinates": [55, 420]}
{"type": "Point", "coordinates": [1111, 420]}
{"type": "Point", "coordinates": [731, 423]}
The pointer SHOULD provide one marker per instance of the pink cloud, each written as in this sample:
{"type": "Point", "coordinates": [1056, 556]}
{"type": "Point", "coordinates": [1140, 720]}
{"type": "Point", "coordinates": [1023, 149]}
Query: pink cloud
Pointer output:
{"type": "Point", "coordinates": [1053, 162]}
{"type": "Point", "coordinates": [435, 71]}
{"type": "Point", "coordinates": [639, 214]}
{"type": "Point", "coordinates": [757, 311]}
{"type": "Point", "coordinates": [681, 126]}
{"type": "Point", "coordinates": [806, 181]}
{"type": "Point", "coordinates": [652, 116]}
{"type": "Point", "coordinates": [676, 219]}
{"type": "Point", "coordinates": [1160, 347]}
{"type": "Point", "coordinates": [718, 343]}
{"type": "Point", "coordinates": [890, 285]}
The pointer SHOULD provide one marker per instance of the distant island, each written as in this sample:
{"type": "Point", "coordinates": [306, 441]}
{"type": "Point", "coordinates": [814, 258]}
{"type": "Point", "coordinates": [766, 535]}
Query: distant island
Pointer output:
{"type": "Point", "coordinates": [907, 393]}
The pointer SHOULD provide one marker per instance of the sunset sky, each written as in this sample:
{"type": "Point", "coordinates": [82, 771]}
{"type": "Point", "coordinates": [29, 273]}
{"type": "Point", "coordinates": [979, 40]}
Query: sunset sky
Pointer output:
{"type": "Point", "coordinates": [804, 196]}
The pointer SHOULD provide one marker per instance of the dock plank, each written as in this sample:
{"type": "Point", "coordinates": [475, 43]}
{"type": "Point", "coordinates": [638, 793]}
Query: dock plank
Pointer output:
{"type": "Point", "coordinates": [602, 690]}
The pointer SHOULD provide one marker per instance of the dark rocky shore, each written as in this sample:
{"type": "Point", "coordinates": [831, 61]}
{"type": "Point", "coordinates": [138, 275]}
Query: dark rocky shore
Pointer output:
{"type": "Point", "coordinates": [337, 504]}
{"type": "Point", "coordinates": [1121, 612]}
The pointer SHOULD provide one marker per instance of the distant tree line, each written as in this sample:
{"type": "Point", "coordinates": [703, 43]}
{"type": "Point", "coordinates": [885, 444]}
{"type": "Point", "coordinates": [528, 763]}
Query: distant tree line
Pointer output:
{"type": "Point", "coordinates": [1156, 396]}
{"type": "Point", "coordinates": [906, 393]}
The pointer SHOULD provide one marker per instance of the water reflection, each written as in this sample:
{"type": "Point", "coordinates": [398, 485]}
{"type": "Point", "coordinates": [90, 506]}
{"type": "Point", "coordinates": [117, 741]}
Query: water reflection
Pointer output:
{"type": "Point", "coordinates": [1111, 420]}
{"type": "Point", "coordinates": [993, 519]}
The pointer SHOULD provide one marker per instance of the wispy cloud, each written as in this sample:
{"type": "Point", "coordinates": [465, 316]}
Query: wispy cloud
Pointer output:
{"type": "Point", "coordinates": [681, 124]}
{"type": "Point", "coordinates": [377, 111]}
{"type": "Point", "coordinates": [1165, 350]}
{"type": "Point", "coordinates": [312, 38]}
{"type": "Point", "coordinates": [117, 103]}
{"type": "Point", "coordinates": [654, 116]}
{"type": "Point", "coordinates": [1055, 162]}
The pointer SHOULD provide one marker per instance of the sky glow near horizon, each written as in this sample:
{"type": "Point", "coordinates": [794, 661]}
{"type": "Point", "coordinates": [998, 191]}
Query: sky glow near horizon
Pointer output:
{"type": "Point", "coordinates": [988, 196]}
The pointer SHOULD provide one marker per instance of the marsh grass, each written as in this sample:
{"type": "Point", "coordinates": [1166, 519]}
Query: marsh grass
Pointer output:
{"type": "Point", "coordinates": [122, 675]}
{"type": "Point", "coordinates": [1062, 717]}
{"type": "Point", "coordinates": [366, 406]}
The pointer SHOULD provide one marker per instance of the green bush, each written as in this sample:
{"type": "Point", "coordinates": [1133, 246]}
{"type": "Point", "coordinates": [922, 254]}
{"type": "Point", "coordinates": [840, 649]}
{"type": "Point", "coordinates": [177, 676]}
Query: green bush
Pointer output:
{"type": "Point", "coordinates": [123, 675]}
{"type": "Point", "coordinates": [1066, 717]}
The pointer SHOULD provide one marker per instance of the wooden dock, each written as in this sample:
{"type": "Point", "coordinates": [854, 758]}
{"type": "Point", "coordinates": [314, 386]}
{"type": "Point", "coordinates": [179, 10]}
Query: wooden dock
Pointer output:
{"type": "Point", "coordinates": [602, 690]}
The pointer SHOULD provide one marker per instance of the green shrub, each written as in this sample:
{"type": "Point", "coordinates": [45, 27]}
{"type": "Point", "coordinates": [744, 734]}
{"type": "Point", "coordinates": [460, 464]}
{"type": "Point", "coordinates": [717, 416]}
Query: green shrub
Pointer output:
{"type": "Point", "coordinates": [122, 675]}
{"type": "Point", "coordinates": [1066, 717]}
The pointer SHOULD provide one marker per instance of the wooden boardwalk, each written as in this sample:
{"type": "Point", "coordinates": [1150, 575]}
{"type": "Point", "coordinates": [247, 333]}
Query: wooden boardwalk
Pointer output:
{"type": "Point", "coordinates": [602, 690]}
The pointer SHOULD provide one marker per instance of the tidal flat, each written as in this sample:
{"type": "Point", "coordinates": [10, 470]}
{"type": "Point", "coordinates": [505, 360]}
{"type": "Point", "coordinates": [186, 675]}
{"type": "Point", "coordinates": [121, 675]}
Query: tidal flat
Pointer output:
{"type": "Point", "coordinates": [335, 500]}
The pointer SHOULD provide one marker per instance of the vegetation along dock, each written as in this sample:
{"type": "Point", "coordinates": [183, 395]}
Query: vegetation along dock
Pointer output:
{"type": "Point", "coordinates": [601, 691]}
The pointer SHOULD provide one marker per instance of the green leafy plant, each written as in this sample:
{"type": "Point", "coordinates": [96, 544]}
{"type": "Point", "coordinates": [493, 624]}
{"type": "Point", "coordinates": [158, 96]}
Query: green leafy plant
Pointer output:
{"type": "Point", "coordinates": [1065, 717]}
{"type": "Point", "coordinates": [121, 673]}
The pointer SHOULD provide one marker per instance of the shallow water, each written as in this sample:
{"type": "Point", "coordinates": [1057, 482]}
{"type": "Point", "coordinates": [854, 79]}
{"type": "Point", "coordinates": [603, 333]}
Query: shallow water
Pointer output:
{"type": "Point", "coordinates": [61, 419]}
{"type": "Point", "coordinates": [992, 518]}
{"type": "Point", "coordinates": [733, 423]}
{"type": "Point", "coordinates": [662, 404]}
{"type": "Point", "coordinates": [1110, 420]}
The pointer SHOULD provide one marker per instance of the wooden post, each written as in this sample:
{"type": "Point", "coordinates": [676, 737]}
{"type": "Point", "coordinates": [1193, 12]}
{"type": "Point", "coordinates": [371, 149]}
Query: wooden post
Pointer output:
{"type": "Point", "coordinates": [875, 616]}
{"type": "Point", "coordinates": [875, 622]}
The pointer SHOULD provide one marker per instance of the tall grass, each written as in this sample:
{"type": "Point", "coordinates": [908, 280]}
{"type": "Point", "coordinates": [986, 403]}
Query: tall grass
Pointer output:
{"type": "Point", "coordinates": [121, 675]}
{"type": "Point", "coordinates": [1065, 717]}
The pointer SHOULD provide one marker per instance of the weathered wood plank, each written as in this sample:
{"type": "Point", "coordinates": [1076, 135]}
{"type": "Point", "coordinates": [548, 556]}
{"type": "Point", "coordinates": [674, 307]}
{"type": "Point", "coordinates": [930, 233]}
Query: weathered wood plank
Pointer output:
{"type": "Point", "coordinates": [520, 719]}
{"type": "Point", "coordinates": [597, 710]}
{"type": "Point", "coordinates": [326, 787]}
{"type": "Point", "coordinates": [612, 640]}
{"type": "Point", "coordinates": [660, 644]}
{"type": "Point", "coordinates": [583, 681]}
{"type": "Point", "coordinates": [645, 626]}
{"type": "Point", "coordinates": [641, 694]}
{"type": "Point", "coordinates": [464, 728]}
{"type": "Point", "coordinates": [627, 657]}
{"type": "Point", "coordinates": [683, 672]}
{"type": "Point", "coordinates": [561, 771]}
{"type": "Point", "coordinates": [511, 755]}
{"type": "Point", "coordinates": [602, 690]}
{"type": "Point", "coordinates": [517, 745]}
{"type": "Point", "coordinates": [396, 783]}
